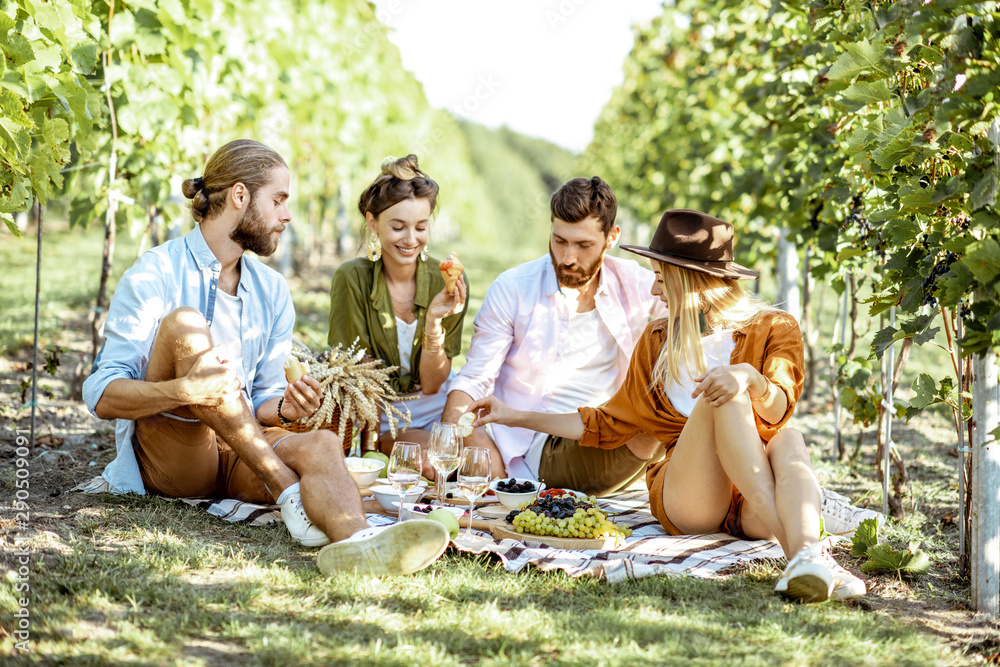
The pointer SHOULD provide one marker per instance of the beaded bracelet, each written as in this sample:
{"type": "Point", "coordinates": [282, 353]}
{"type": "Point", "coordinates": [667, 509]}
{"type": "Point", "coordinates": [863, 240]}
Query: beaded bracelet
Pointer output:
{"type": "Point", "coordinates": [281, 418]}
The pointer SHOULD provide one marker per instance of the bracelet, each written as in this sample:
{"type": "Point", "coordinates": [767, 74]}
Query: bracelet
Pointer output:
{"type": "Point", "coordinates": [281, 418]}
{"type": "Point", "coordinates": [433, 344]}
{"type": "Point", "coordinates": [766, 394]}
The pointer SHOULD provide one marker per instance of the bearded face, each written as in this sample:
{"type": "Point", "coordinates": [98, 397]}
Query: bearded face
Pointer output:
{"type": "Point", "coordinates": [252, 232]}
{"type": "Point", "coordinates": [577, 275]}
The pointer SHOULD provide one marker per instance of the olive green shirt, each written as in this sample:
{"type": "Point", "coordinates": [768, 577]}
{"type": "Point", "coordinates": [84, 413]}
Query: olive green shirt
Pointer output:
{"type": "Point", "coordinates": [361, 307]}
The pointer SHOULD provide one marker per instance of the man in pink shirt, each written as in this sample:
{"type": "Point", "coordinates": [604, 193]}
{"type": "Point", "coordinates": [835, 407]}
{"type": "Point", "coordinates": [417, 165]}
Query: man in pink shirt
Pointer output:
{"type": "Point", "coordinates": [556, 334]}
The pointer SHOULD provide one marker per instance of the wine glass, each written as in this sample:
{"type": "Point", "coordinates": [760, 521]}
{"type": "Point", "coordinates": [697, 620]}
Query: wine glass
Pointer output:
{"type": "Point", "coordinates": [473, 477]}
{"type": "Point", "coordinates": [404, 469]}
{"type": "Point", "coordinates": [444, 448]}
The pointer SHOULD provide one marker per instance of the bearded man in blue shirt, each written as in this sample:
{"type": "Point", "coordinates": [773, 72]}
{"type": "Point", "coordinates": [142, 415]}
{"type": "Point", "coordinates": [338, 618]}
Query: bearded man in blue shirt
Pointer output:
{"type": "Point", "coordinates": [196, 337]}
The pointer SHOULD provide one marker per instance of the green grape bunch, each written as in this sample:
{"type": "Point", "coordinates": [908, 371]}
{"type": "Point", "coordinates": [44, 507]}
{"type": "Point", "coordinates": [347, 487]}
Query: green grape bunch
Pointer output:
{"type": "Point", "coordinates": [566, 516]}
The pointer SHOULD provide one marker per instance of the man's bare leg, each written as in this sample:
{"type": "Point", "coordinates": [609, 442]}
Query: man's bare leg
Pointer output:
{"type": "Point", "coordinates": [183, 336]}
{"type": "Point", "coordinates": [329, 495]}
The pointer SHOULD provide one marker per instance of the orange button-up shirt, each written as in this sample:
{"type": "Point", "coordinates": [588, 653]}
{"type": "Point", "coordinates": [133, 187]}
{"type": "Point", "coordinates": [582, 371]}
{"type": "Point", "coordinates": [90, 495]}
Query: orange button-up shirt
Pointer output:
{"type": "Point", "coordinates": [772, 344]}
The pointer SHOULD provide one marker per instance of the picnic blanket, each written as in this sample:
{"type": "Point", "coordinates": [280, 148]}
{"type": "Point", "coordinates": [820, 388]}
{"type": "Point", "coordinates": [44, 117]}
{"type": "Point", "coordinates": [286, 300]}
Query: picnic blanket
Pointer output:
{"type": "Point", "coordinates": [648, 551]}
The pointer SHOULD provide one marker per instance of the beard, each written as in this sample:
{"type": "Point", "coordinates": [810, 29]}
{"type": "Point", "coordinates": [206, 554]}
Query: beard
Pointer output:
{"type": "Point", "coordinates": [252, 234]}
{"type": "Point", "coordinates": [582, 275]}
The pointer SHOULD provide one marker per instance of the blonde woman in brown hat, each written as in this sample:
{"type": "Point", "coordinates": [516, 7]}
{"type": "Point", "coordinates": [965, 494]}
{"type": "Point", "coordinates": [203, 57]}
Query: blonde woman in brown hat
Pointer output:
{"type": "Point", "coordinates": [716, 381]}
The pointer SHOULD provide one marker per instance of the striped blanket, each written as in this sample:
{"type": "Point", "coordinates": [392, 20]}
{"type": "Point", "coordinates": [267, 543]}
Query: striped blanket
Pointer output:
{"type": "Point", "coordinates": [647, 552]}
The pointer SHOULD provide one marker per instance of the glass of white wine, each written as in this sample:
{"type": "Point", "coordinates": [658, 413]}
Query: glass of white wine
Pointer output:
{"type": "Point", "coordinates": [443, 449]}
{"type": "Point", "coordinates": [405, 464]}
{"type": "Point", "coordinates": [473, 477]}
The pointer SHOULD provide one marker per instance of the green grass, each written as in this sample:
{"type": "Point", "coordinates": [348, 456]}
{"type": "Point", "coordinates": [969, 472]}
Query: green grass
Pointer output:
{"type": "Point", "coordinates": [71, 270]}
{"type": "Point", "coordinates": [152, 581]}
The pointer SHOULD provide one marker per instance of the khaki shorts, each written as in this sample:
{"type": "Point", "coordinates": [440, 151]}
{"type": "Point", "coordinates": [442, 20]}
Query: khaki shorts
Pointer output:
{"type": "Point", "coordinates": [187, 459]}
{"type": "Point", "coordinates": [592, 470]}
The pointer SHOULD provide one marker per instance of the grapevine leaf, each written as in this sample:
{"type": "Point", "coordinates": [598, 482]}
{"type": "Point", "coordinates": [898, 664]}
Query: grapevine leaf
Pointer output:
{"type": "Point", "coordinates": [883, 339]}
{"type": "Point", "coordinates": [18, 49]}
{"type": "Point", "coordinates": [883, 557]}
{"type": "Point", "coordinates": [84, 57]}
{"type": "Point", "coordinates": [868, 93]}
{"type": "Point", "coordinates": [984, 192]}
{"type": "Point", "coordinates": [925, 391]}
{"type": "Point", "coordinates": [13, 82]}
{"type": "Point", "coordinates": [983, 260]}
{"type": "Point", "coordinates": [865, 537]}
{"type": "Point", "coordinates": [122, 28]}
{"type": "Point", "coordinates": [55, 131]}
{"type": "Point", "coordinates": [861, 58]}
{"type": "Point", "coordinates": [901, 231]}
{"type": "Point", "coordinates": [11, 225]}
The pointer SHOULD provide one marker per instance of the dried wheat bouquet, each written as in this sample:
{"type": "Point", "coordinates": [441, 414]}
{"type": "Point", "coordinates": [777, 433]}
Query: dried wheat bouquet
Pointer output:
{"type": "Point", "coordinates": [359, 388]}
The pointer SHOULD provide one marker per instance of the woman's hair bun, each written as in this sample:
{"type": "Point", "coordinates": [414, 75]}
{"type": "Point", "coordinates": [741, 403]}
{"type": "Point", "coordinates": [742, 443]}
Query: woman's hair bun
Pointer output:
{"type": "Point", "coordinates": [404, 168]}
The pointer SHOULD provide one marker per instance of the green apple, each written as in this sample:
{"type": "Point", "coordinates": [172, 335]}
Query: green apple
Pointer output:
{"type": "Point", "coordinates": [379, 456]}
{"type": "Point", "coordinates": [446, 519]}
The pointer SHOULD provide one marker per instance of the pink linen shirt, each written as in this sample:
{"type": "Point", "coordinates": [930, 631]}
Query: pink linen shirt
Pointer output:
{"type": "Point", "coordinates": [521, 330]}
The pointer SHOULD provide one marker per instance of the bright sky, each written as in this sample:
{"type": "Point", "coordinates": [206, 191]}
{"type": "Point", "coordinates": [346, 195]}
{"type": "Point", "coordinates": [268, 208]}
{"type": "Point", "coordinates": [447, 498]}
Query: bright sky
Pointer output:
{"type": "Point", "coordinates": [542, 67]}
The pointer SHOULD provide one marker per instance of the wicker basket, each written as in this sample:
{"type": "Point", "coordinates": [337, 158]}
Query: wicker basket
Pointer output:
{"type": "Point", "coordinates": [332, 425]}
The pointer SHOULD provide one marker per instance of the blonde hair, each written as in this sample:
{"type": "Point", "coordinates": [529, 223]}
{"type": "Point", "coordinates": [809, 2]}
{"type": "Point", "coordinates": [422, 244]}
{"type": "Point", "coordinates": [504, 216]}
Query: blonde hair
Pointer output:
{"type": "Point", "coordinates": [724, 302]}
{"type": "Point", "coordinates": [242, 161]}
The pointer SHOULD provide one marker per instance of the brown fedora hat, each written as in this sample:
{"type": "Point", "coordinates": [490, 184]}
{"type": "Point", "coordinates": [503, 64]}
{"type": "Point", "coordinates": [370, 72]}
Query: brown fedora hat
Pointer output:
{"type": "Point", "coordinates": [696, 241]}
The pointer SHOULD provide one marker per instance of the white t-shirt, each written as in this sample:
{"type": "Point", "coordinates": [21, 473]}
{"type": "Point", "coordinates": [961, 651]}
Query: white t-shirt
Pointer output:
{"type": "Point", "coordinates": [718, 347]}
{"type": "Point", "coordinates": [225, 329]}
{"type": "Point", "coordinates": [404, 335]}
{"type": "Point", "coordinates": [584, 373]}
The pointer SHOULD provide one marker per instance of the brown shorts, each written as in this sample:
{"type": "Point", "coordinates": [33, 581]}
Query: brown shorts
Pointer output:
{"type": "Point", "coordinates": [592, 470]}
{"type": "Point", "coordinates": [187, 459]}
{"type": "Point", "coordinates": [731, 525]}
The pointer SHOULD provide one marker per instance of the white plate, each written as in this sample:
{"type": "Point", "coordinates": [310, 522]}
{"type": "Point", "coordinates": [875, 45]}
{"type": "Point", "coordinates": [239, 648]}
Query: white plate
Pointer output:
{"type": "Point", "coordinates": [492, 511]}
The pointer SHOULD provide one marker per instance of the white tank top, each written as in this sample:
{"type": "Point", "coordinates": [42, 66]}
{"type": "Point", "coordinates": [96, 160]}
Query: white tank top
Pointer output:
{"type": "Point", "coordinates": [718, 347]}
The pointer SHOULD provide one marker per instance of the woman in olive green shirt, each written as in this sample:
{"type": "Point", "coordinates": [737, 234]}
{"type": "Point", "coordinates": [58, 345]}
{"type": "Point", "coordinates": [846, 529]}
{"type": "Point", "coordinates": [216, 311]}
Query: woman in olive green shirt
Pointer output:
{"type": "Point", "coordinates": [395, 303]}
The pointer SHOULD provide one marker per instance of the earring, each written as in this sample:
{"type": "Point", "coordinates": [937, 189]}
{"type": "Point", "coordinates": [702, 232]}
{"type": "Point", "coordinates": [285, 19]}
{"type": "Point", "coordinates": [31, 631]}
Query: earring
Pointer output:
{"type": "Point", "coordinates": [374, 247]}
{"type": "Point", "coordinates": [423, 254]}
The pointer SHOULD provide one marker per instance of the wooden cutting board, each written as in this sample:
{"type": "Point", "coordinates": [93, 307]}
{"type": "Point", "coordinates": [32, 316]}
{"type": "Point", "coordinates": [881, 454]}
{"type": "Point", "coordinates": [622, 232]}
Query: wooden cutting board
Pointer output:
{"type": "Point", "coordinates": [502, 530]}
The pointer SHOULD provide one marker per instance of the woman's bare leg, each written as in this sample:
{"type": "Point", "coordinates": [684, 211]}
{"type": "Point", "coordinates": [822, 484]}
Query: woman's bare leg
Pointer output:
{"type": "Point", "coordinates": [797, 494]}
{"type": "Point", "coordinates": [696, 488]}
{"type": "Point", "coordinates": [720, 448]}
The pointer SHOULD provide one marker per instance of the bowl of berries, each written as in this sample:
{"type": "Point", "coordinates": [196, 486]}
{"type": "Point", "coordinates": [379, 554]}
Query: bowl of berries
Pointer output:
{"type": "Point", "coordinates": [516, 491]}
{"type": "Point", "coordinates": [421, 510]}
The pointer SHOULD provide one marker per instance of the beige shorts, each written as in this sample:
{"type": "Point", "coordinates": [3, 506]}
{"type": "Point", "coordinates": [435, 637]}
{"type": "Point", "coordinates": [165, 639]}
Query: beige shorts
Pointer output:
{"type": "Point", "coordinates": [187, 459]}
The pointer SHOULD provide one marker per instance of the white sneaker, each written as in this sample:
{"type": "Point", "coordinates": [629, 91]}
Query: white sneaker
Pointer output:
{"type": "Point", "coordinates": [298, 524]}
{"type": "Point", "coordinates": [842, 518]}
{"type": "Point", "coordinates": [845, 584]}
{"type": "Point", "coordinates": [808, 577]}
{"type": "Point", "coordinates": [400, 548]}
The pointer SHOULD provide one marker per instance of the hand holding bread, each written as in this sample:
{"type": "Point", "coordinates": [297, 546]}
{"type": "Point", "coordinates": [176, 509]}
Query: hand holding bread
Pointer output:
{"type": "Point", "coordinates": [451, 270]}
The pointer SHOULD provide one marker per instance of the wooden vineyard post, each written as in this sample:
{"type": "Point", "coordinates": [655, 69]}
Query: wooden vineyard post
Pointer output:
{"type": "Point", "coordinates": [985, 551]}
{"type": "Point", "coordinates": [889, 363]}
{"type": "Point", "coordinates": [838, 447]}
{"type": "Point", "coordinates": [985, 483]}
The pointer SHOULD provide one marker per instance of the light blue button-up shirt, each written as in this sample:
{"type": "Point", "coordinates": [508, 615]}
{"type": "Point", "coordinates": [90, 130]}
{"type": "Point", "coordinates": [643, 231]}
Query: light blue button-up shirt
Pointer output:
{"type": "Point", "coordinates": [185, 272]}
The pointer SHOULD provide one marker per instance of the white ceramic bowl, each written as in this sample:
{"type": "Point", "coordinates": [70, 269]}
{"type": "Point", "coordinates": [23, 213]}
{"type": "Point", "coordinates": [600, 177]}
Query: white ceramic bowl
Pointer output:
{"type": "Point", "coordinates": [389, 499]}
{"type": "Point", "coordinates": [513, 501]}
{"type": "Point", "coordinates": [364, 472]}
{"type": "Point", "coordinates": [409, 513]}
